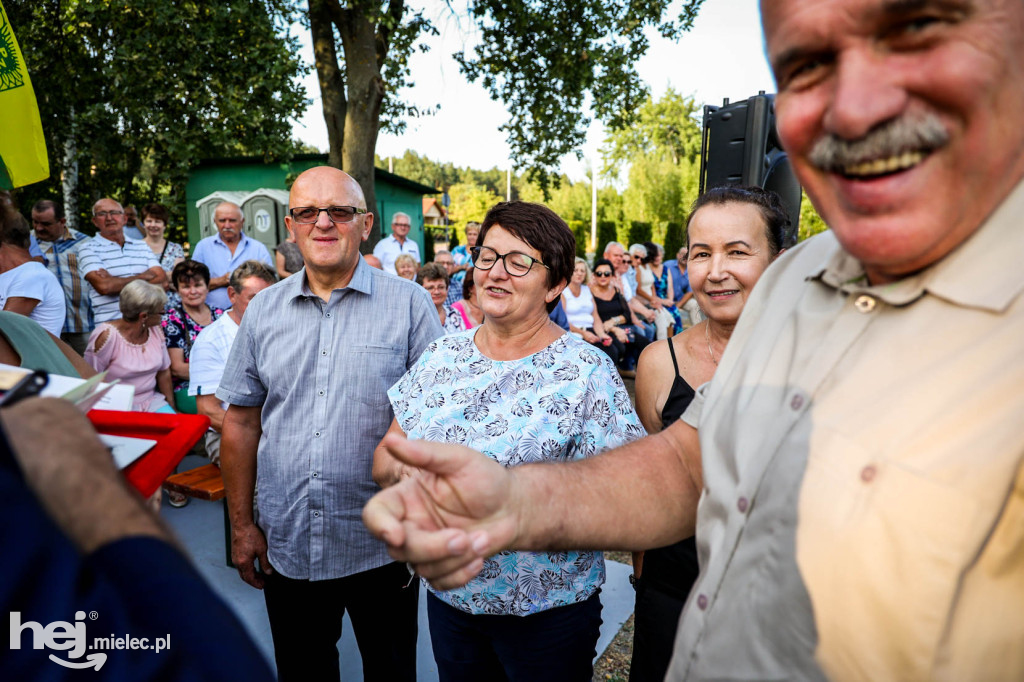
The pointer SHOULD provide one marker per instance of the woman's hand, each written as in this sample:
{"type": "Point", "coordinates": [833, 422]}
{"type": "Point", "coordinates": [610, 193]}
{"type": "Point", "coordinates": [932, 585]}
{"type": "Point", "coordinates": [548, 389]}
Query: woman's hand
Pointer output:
{"type": "Point", "coordinates": [590, 337]}
{"type": "Point", "coordinates": [620, 334]}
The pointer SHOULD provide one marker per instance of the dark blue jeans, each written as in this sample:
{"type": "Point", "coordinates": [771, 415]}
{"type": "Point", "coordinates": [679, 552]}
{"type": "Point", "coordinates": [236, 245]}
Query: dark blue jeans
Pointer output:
{"type": "Point", "coordinates": [557, 645]}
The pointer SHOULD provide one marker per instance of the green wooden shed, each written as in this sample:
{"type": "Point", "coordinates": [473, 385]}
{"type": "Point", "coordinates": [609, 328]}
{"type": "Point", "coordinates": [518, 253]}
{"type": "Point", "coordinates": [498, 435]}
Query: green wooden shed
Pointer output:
{"type": "Point", "coordinates": [242, 177]}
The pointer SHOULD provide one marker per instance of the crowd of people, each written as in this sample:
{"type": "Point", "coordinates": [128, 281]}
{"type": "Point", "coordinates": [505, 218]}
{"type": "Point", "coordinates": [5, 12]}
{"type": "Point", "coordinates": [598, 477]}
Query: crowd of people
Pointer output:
{"type": "Point", "coordinates": [823, 472]}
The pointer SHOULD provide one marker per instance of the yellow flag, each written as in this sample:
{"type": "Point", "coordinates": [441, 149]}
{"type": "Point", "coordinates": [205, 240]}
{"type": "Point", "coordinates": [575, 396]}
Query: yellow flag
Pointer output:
{"type": "Point", "coordinates": [22, 145]}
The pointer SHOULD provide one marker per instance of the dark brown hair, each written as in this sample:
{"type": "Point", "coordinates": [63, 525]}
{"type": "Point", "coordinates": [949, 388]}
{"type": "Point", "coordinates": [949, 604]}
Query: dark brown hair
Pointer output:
{"type": "Point", "coordinates": [542, 229]}
{"type": "Point", "coordinates": [768, 203]}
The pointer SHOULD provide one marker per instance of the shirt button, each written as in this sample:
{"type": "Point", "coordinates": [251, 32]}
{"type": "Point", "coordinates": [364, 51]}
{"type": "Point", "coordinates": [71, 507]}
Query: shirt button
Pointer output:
{"type": "Point", "coordinates": [315, 474]}
{"type": "Point", "coordinates": [741, 504]}
{"type": "Point", "coordinates": [797, 402]}
{"type": "Point", "coordinates": [867, 474]}
{"type": "Point", "coordinates": [316, 513]}
{"type": "Point", "coordinates": [323, 352]}
{"type": "Point", "coordinates": [328, 314]}
{"type": "Point", "coordinates": [316, 433]}
{"type": "Point", "coordinates": [322, 391]}
{"type": "Point", "coordinates": [702, 602]}
{"type": "Point", "coordinates": [865, 304]}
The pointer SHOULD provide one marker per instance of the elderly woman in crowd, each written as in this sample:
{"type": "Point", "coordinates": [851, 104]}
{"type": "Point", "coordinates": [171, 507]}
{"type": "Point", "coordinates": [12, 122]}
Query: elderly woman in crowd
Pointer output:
{"type": "Point", "coordinates": [461, 254]}
{"type": "Point", "coordinates": [154, 223]}
{"type": "Point", "coordinates": [519, 389]}
{"type": "Point", "coordinates": [733, 234]}
{"type": "Point", "coordinates": [406, 266]}
{"type": "Point", "coordinates": [434, 278]}
{"type": "Point", "coordinates": [183, 321]}
{"type": "Point", "coordinates": [133, 350]}
{"type": "Point", "coordinates": [581, 312]}
{"type": "Point", "coordinates": [654, 286]}
{"type": "Point", "coordinates": [468, 307]}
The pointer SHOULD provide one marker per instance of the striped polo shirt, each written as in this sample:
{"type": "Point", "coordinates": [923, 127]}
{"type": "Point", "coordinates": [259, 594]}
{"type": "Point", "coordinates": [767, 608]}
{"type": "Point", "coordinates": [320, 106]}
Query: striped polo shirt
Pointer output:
{"type": "Point", "coordinates": [119, 261]}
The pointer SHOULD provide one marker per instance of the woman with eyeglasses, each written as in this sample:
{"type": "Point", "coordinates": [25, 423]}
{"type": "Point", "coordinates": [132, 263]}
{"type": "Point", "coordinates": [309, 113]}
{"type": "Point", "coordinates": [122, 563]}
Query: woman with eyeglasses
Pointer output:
{"type": "Point", "coordinates": [519, 389]}
{"type": "Point", "coordinates": [616, 317]}
{"type": "Point", "coordinates": [434, 278]}
{"type": "Point", "coordinates": [733, 234]}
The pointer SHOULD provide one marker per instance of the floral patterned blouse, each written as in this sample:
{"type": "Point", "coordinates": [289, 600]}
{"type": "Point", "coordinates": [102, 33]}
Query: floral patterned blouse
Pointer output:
{"type": "Point", "coordinates": [174, 330]}
{"type": "Point", "coordinates": [172, 252]}
{"type": "Point", "coordinates": [453, 321]}
{"type": "Point", "coordinates": [563, 403]}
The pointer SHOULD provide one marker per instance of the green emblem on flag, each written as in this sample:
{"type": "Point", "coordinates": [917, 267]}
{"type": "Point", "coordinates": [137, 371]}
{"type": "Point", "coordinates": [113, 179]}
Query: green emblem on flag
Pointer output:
{"type": "Point", "coordinates": [11, 75]}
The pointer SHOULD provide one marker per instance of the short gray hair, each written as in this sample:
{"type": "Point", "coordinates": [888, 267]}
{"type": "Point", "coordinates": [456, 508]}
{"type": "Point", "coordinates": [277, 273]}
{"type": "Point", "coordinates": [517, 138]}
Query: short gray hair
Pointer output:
{"type": "Point", "coordinates": [139, 296]}
{"type": "Point", "coordinates": [638, 250]}
{"type": "Point", "coordinates": [611, 244]}
{"type": "Point", "coordinates": [250, 268]}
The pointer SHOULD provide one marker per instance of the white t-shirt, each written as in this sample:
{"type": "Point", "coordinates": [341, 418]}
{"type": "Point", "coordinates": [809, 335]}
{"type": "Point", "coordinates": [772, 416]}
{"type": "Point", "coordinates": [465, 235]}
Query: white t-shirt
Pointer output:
{"type": "Point", "coordinates": [579, 310]}
{"type": "Point", "coordinates": [388, 249]}
{"type": "Point", "coordinates": [33, 280]}
{"type": "Point", "coordinates": [209, 356]}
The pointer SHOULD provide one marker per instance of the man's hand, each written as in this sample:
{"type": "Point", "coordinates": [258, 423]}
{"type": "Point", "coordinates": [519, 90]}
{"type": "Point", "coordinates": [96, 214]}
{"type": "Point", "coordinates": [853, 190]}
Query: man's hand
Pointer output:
{"type": "Point", "coordinates": [458, 508]}
{"type": "Point", "coordinates": [73, 475]}
{"type": "Point", "coordinates": [248, 544]}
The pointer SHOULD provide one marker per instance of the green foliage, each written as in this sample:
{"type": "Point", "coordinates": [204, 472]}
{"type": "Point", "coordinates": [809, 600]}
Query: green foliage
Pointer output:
{"type": "Point", "coordinates": [663, 154]}
{"type": "Point", "coordinates": [547, 59]}
{"type": "Point", "coordinates": [810, 222]}
{"type": "Point", "coordinates": [145, 88]}
{"type": "Point", "coordinates": [428, 248]}
{"type": "Point", "coordinates": [639, 232]}
{"type": "Point", "coordinates": [470, 202]}
{"type": "Point", "coordinates": [606, 232]}
{"type": "Point", "coordinates": [581, 231]}
{"type": "Point", "coordinates": [668, 128]}
{"type": "Point", "coordinates": [675, 238]}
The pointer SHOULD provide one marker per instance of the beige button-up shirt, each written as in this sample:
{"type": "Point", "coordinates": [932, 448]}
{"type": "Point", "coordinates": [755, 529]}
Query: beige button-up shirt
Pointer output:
{"type": "Point", "coordinates": [863, 510]}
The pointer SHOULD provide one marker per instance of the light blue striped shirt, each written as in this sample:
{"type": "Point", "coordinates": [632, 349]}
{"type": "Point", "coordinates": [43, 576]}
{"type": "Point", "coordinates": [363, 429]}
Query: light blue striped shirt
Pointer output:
{"type": "Point", "coordinates": [321, 372]}
{"type": "Point", "coordinates": [215, 254]}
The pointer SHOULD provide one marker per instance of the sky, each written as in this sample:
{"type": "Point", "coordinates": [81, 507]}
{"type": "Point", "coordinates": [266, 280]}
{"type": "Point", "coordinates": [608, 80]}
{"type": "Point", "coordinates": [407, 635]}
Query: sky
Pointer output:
{"type": "Point", "coordinates": [721, 57]}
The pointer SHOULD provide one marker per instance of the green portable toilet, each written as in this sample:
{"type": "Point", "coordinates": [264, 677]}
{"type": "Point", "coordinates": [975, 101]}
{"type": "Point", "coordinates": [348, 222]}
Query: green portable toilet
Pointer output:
{"type": "Point", "coordinates": [209, 203]}
{"type": "Point", "coordinates": [264, 211]}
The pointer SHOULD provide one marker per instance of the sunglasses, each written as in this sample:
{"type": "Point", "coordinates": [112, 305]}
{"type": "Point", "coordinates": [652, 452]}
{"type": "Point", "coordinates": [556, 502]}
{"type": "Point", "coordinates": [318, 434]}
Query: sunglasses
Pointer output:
{"type": "Point", "coordinates": [603, 273]}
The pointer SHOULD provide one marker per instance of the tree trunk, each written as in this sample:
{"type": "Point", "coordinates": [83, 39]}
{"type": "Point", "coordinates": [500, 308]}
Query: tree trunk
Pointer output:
{"type": "Point", "coordinates": [332, 83]}
{"type": "Point", "coordinates": [69, 181]}
{"type": "Point", "coordinates": [362, 118]}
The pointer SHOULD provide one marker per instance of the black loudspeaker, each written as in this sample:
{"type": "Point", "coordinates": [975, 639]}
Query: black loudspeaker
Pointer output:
{"type": "Point", "coordinates": [741, 147]}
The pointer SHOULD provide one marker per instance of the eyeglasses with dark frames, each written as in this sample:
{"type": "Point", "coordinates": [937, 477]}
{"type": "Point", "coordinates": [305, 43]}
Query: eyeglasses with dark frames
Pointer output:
{"type": "Point", "coordinates": [516, 263]}
{"type": "Point", "coordinates": [602, 273]}
{"type": "Point", "coordinates": [338, 214]}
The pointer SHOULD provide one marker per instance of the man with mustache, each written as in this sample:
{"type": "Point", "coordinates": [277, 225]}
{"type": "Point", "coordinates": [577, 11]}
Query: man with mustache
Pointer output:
{"type": "Point", "coordinates": [854, 470]}
{"type": "Point", "coordinates": [226, 250]}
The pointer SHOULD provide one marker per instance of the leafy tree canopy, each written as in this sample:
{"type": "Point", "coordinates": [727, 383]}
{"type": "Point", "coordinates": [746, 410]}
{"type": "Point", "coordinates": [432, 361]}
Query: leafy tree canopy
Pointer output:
{"type": "Point", "coordinates": [135, 92]}
{"type": "Point", "coordinates": [547, 59]}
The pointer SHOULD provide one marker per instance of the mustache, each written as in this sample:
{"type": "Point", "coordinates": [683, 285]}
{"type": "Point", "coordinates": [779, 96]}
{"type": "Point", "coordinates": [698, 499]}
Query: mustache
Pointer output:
{"type": "Point", "coordinates": [923, 132]}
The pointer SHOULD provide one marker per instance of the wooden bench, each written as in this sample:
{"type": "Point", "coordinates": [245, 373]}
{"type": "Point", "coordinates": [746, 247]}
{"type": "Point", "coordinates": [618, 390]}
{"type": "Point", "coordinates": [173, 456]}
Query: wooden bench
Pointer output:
{"type": "Point", "coordinates": [204, 483]}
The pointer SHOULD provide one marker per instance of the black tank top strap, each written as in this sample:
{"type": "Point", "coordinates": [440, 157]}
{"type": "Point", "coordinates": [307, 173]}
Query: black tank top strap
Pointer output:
{"type": "Point", "coordinates": [672, 352]}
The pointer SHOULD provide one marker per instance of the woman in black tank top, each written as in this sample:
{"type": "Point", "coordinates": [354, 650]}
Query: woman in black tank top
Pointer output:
{"type": "Point", "coordinates": [729, 247]}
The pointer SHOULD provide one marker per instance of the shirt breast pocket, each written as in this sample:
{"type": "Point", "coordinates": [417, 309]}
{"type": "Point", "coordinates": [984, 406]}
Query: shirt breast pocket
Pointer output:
{"type": "Point", "coordinates": [374, 369]}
